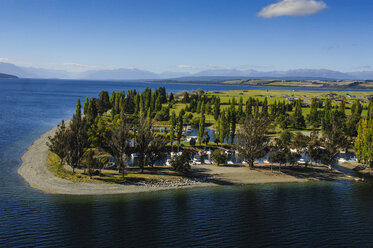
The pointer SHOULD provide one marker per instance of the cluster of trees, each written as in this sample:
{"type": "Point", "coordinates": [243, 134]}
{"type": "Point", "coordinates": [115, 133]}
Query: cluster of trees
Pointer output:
{"type": "Point", "coordinates": [364, 142]}
{"type": "Point", "coordinates": [199, 102]}
{"type": "Point", "coordinates": [146, 102]}
{"type": "Point", "coordinates": [226, 124]}
{"type": "Point", "coordinates": [253, 142]}
{"type": "Point", "coordinates": [119, 137]}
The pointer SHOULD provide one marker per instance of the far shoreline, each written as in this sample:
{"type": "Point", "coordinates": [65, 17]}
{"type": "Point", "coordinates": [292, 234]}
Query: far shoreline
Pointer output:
{"type": "Point", "coordinates": [35, 172]}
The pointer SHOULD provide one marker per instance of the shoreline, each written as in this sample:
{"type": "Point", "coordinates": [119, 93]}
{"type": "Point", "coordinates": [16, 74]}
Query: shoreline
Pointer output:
{"type": "Point", "coordinates": [35, 172]}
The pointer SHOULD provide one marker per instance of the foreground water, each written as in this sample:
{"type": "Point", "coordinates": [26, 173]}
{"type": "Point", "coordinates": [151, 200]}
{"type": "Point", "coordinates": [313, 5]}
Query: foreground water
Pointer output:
{"type": "Point", "coordinates": [312, 214]}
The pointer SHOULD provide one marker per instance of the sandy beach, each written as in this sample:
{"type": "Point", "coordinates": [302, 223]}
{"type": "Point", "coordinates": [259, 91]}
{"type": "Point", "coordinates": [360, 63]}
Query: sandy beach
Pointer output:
{"type": "Point", "coordinates": [35, 171]}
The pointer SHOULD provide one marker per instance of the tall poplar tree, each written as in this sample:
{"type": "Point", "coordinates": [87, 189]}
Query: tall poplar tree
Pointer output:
{"type": "Point", "coordinates": [201, 129]}
{"type": "Point", "coordinates": [217, 108]}
{"type": "Point", "coordinates": [172, 128]}
{"type": "Point", "coordinates": [298, 118]}
{"type": "Point", "coordinates": [179, 128]}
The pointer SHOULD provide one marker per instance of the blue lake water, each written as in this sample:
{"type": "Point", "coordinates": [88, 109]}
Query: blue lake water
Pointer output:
{"type": "Point", "coordinates": [329, 214]}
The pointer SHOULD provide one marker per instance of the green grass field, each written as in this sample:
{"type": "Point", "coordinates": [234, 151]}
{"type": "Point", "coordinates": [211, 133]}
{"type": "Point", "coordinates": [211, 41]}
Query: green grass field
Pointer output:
{"type": "Point", "coordinates": [281, 95]}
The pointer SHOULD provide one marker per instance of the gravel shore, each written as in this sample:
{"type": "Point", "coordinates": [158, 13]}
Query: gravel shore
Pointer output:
{"type": "Point", "coordinates": [34, 170]}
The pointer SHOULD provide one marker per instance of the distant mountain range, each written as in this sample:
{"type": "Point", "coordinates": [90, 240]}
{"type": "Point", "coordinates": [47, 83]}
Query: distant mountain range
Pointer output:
{"type": "Point", "coordinates": [137, 74]}
{"type": "Point", "coordinates": [2, 75]}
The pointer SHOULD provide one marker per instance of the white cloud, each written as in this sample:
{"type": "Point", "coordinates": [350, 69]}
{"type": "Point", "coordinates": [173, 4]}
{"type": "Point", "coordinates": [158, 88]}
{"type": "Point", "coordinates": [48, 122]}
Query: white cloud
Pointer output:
{"type": "Point", "coordinates": [75, 67]}
{"type": "Point", "coordinates": [189, 67]}
{"type": "Point", "coordinates": [218, 67]}
{"type": "Point", "coordinates": [364, 67]}
{"type": "Point", "coordinates": [292, 8]}
{"type": "Point", "coordinates": [185, 67]}
{"type": "Point", "coordinates": [334, 46]}
{"type": "Point", "coordinates": [5, 60]}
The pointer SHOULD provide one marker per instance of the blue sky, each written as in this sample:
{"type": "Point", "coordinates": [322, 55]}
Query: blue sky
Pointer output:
{"type": "Point", "coordinates": [177, 35]}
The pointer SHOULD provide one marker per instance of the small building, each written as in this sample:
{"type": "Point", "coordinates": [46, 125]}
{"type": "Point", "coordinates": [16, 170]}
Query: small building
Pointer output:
{"type": "Point", "coordinates": [292, 99]}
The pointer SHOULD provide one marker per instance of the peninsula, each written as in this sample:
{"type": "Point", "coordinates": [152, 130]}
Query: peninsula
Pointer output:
{"type": "Point", "coordinates": [3, 75]}
{"type": "Point", "coordinates": [117, 148]}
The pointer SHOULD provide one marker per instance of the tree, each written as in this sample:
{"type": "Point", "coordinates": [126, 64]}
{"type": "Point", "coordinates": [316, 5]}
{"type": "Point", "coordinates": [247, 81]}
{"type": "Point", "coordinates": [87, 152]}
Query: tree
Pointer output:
{"type": "Point", "coordinates": [103, 103]}
{"type": "Point", "coordinates": [249, 107]}
{"type": "Point", "coordinates": [98, 134]}
{"type": "Point", "coordinates": [283, 120]}
{"type": "Point", "coordinates": [300, 143]}
{"type": "Point", "coordinates": [101, 163]}
{"type": "Point", "coordinates": [206, 138]}
{"type": "Point", "coordinates": [353, 119]}
{"type": "Point", "coordinates": [217, 108]}
{"type": "Point", "coordinates": [252, 141]}
{"type": "Point", "coordinates": [357, 108]}
{"type": "Point", "coordinates": [298, 118]}
{"type": "Point", "coordinates": [218, 129]}
{"type": "Point", "coordinates": [85, 106]}
{"type": "Point", "coordinates": [192, 142]}
{"type": "Point", "coordinates": [240, 109]}
{"type": "Point", "coordinates": [333, 141]}
{"type": "Point", "coordinates": [171, 97]}
{"type": "Point", "coordinates": [172, 128]}
{"type": "Point", "coordinates": [313, 148]}
{"type": "Point", "coordinates": [156, 149]}
{"type": "Point", "coordinates": [233, 120]}
{"type": "Point", "coordinates": [158, 104]}
{"type": "Point", "coordinates": [120, 145]}
{"type": "Point", "coordinates": [163, 114]}
{"type": "Point", "coordinates": [201, 129]}
{"type": "Point", "coordinates": [181, 163]}
{"type": "Point", "coordinates": [370, 109]}
{"type": "Point", "coordinates": [281, 153]}
{"type": "Point", "coordinates": [186, 97]}
{"type": "Point", "coordinates": [91, 111]}
{"type": "Point", "coordinates": [219, 157]}
{"type": "Point", "coordinates": [76, 139]}
{"type": "Point", "coordinates": [90, 161]}
{"type": "Point", "coordinates": [364, 142]}
{"type": "Point", "coordinates": [179, 128]}
{"type": "Point", "coordinates": [314, 116]}
{"type": "Point", "coordinates": [57, 143]}
{"type": "Point", "coordinates": [78, 110]}
{"type": "Point", "coordinates": [280, 156]}
{"type": "Point", "coordinates": [225, 127]}
{"type": "Point", "coordinates": [76, 142]}
{"type": "Point", "coordinates": [144, 138]}
{"type": "Point", "coordinates": [265, 108]}
{"type": "Point", "coordinates": [326, 122]}
{"type": "Point", "coordinates": [285, 139]}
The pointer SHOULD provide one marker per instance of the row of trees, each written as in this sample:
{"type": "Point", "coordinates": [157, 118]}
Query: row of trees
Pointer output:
{"type": "Point", "coordinates": [253, 142]}
{"type": "Point", "coordinates": [364, 141]}
{"type": "Point", "coordinates": [77, 141]}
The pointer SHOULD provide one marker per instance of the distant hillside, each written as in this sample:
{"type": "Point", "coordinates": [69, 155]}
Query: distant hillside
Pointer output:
{"type": "Point", "coordinates": [18, 71]}
{"type": "Point", "coordinates": [209, 76]}
{"type": "Point", "coordinates": [120, 74]}
{"type": "Point", "coordinates": [2, 75]}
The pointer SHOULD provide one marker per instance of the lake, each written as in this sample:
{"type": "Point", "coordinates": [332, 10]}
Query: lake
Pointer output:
{"type": "Point", "coordinates": [332, 214]}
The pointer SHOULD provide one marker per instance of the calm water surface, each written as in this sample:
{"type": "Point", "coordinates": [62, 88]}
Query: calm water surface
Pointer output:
{"type": "Point", "coordinates": [332, 214]}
